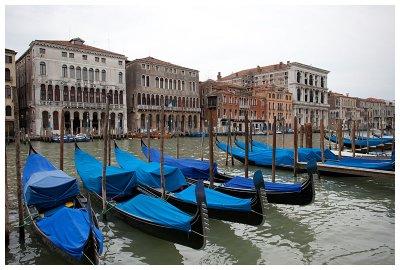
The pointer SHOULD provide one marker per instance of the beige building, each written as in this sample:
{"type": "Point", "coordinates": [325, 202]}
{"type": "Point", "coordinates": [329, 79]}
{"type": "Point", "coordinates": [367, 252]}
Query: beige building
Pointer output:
{"type": "Point", "coordinates": [57, 74]}
{"type": "Point", "coordinates": [378, 112]}
{"type": "Point", "coordinates": [343, 107]}
{"type": "Point", "coordinates": [148, 82]}
{"type": "Point", "coordinates": [307, 84]}
{"type": "Point", "coordinates": [10, 86]}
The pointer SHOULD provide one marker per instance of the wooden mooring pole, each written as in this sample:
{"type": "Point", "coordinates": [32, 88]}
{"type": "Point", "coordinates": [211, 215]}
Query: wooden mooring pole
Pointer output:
{"type": "Point", "coordinates": [251, 135]}
{"type": "Point", "coordinates": [202, 136]}
{"type": "Point", "coordinates": [7, 219]}
{"type": "Point", "coordinates": [105, 149]}
{"type": "Point", "coordinates": [246, 146]}
{"type": "Point", "coordinates": [148, 137]}
{"type": "Point", "coordinates": [273, 149]}
{"type": "Point", "coordinates": [353, 138]}
{"type": "Point", "coordinates": [322, 139]}
{"type": "Point", "coordinates": [367, 132]}
{"type": "Point", "coordinates": [295, 150]}
{"type": "Point", "coordinates": [109, 141]}
{"type": "Point", "coordinates": [308, 135]}
{"type": "Point", "coordinates": [228, 143]}
{"type": "Point", "coordinates": [302, 136]}
{"type": "Point", "coordinates": [17, 135]}
{"type": "Point", "coordinates": [62, 126]}
{"type": "Point", "coordinates": [162, 177]}
{"type": "Point", "coordinates": [340, 137]}
{"type": "Point", "coordinates": [211, 146]}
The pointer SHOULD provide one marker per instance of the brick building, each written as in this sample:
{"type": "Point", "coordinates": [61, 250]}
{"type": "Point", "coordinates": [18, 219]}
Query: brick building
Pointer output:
{"type": "Point", "coordinates": [10, 86]}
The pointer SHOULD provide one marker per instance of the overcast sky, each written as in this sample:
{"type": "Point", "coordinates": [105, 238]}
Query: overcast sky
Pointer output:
{"type": "Point", "coordinates": [356, 44]}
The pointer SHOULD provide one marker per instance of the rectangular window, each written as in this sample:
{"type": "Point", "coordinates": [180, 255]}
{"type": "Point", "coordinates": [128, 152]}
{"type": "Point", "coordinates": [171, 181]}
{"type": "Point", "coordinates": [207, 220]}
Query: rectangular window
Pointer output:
{"type": "Point", "coordinates": [157, 68]}
{"type": "Point", "coordinates": [143, 66]}
{"type": "Point", "coordinates": [42, 50]}
{"type": "Point", "coordinates": [84, 57]}
{"type": "Point", "coordinates": [183, 72]}
{"type": "Point", "coordinates": [120, 62]}
{"type": "Point", "coordinates": [148, 67]}
{"type": "Point", "coordinates": [103, 60]}
{"type": "Point", "coordinates": [71, 55]}
{"type": "Point", "coordinates": [64, 54]}
{"type": "Point", "coordinates": [8, 59]}
{"type": "Point", "coordinates": [174, 70]}
{"type": "Point", "coordinates": [96, 59]}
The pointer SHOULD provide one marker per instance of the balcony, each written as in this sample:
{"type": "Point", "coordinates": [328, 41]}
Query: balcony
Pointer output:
{"type": "Point", "coordinates": [83, 105]}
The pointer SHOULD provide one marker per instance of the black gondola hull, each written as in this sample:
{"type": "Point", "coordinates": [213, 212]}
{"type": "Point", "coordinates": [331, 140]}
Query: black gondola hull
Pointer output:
{"type": "Point", "coordinates": [194, 239]}
{"type": "Point", "coordinates": [254, 217]}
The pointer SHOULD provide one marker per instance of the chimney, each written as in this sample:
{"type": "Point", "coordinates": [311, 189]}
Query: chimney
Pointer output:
{"type": "Point", "coordinates": [219, 76]}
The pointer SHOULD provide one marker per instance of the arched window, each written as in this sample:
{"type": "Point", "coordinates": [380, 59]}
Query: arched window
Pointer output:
{"type": "Point", "coordinates": [103, 96]}
{"type": "Point", "coordinates": [110, 94]}
{"type": "Point", "coordinates": [157, 82]}
{"type": "Point", "coordinates": [298, 94]}
{"type": "Point", "coordinates": [66, 94]}
{"type": "Point", "coordinates": [8, 92]}
{"type": "Point", "coordinates": [97, 75]}
{"type": "Point", "coordinates": [8, 75]}
{"type": "Point", "coordinates": [298, 76]}
{"type": "Point", "coordinates": [174, 85]}
{"type": "Point", "coordinates": [91, 95]}
{"type": "Point", "coordinates": [195, 121]}
{"type": "Point", "coordinates": [103, 75]}
{"type": "Point", "coordinates": [84, 74]}
{"type": "Point", "coordinates": [78, 73]}
{"type": "Point", "coordinates": [183, 85]}
{"type": "Point", "coordinates": [72, 94]}
{"type": "Point", "coordinates": [139, 99]}
{"type": "Point", "coordinates": [120, 77]}
{"type": "Point", "coordinates": [148, 99]}
{"type": "Point", "coordinates": [116, 97]}
{"type": "Point", "coordinates": [162, 83]}
{"type": "Point", "coordinates": [8, 111]}
{"type": "Point", "coordinates": [64, 71]}
{"type": "Point", "coordinates": [322, 97]}
{"type": "Point", "coordinates": [55, 120]}
{"type": "Point", "coordinates": [121, 97]}
{"type": "Point", "coordinates": [42, 68]}
{"type": "Point", "coordinates": [157, 100]}
{"type": "Point", "coordinates": [179, 84]}
{"type": "Point", "coordinates": [97, 95]}
{"type": "Point", "coordinates": [322, 82]}
{"type": "Point", "coordinates": [79, 95]}
{"type": "Point", "coordinates": [143, 99]}
{"type": "Point", "coordinates": [72, 72]}
{"type": "Point", "coordinates": [170, 84]}
{"type": "Point", "coordinates": [311, 80]}
{"type": "Point", "coordinates": [91, 74]}
{"type": "Point", "coordinates": [50, 93]}
{"type": "Point", "coordinates": [57, 93]}
{"type": "Point", "coordinates": [85, 95]}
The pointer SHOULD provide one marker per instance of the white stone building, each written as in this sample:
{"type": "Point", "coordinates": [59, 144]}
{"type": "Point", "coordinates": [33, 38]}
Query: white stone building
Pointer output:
{"type": "Point", "coordinates": [307, 84]}
{"type": "Point", "coordinates": [53, 74]}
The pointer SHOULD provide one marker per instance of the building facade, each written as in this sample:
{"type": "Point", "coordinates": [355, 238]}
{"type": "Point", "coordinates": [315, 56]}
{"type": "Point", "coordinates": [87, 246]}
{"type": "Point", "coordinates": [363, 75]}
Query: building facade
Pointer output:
{"type": "Point", "coordinates": [149, 81]}
{"type": "Point", "coordinates": [279, 103]}
{"type": "Point", "coordinates": [307, 84]}
{"type": "Point", "coordinates": [233, 102]}
{"type": "Point", "coordinates": [55, 74]}
{"type": "Point", "coordinates": [343, 107]}
{"type": "Point", "coordinates": [10, 85]}
{"type": "Point", "coordinates": [378, 112]}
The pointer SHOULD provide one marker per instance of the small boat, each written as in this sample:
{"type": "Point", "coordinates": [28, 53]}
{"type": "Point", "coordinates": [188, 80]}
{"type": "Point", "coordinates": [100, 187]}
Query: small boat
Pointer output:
{"type": "Point", "coordinates": [61, 216]}
{"type": "Point", "coordinates": [181, 193]}
{"type": "Point", "coordinates": [68, 138]}
{"type": "Point", "coordinates": [149, 214]}
{"type": "Point", "coordinates": [81, 137]}
{"type": "Point", "coordinates": [279, 193]}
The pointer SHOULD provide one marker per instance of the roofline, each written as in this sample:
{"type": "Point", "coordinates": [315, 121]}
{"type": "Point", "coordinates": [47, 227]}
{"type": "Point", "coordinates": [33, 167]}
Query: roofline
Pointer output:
{"type": "Point", "coordinates": [10, 51]}
{"type": "Point", "coordinates": [166, 63]}
{"type": "Point", "coordinates": [309, 67]}
{"type": "Point", "coordinates": [44, 43]}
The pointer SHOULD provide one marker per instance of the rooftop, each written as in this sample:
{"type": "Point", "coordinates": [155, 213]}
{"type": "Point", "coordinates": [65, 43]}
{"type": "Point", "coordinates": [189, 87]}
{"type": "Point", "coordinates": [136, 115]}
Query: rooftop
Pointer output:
{"type": "Point", "coordinates": [155, 61]}
{"type": "Point", "coordinates": [10, 51]}
{"type": "Point", "coordinates": [77, 43]}
{"type": "Point", "coordinates": [256, 70]}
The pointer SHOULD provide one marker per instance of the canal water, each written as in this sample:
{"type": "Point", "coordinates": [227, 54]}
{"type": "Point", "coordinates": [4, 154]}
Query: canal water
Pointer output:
{"type": "Point", "coordinates": [352, 221]}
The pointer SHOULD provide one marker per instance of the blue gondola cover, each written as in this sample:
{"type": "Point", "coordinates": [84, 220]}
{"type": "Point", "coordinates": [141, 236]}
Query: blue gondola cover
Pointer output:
{"type": "Point", "coordinates": [120, 182]}
{"type": "Point", "coordinates": [69, 229]}
{"type": "Point", "coordinates": [149, 173]}
{"type": "Point", "coordinates": [44, 185]}
{"type": "Point", "coordinates": [191, 168]}
{"type": "Point", "coordinates": [246, 183]}
{"type": "Point", "coordinates": [215, 199]}
{"type": "Point", "coordinates": [157, 211]}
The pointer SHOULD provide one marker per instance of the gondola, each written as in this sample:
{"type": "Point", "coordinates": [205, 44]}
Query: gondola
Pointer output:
{"type": "Point", "coordinates": [147, 213]}
{"type": "Point", "coordinates": [180, 192]}
{"type": "Point", "coordinates": [61, 217]}
{"type": "Point", "coordinates": [279, 193]}
{"type": "Point", "coordinates": [304, 154]}
{"type": "Point", "coordinates": [361, 142]}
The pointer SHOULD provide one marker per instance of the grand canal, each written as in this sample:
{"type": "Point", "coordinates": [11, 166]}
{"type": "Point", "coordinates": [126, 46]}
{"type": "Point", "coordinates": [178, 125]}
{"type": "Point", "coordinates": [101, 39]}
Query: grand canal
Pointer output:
{"type": "Point", "coordinates": [352, 221]}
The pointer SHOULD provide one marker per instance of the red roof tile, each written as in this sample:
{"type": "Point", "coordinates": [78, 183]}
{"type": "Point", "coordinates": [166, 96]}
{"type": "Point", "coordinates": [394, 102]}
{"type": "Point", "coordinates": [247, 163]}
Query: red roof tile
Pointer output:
{"type": "Point", "coordinates": [256, 70]}
{"type": "Point", "coordinates": [155, 61]}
